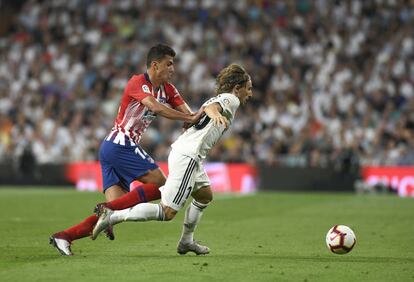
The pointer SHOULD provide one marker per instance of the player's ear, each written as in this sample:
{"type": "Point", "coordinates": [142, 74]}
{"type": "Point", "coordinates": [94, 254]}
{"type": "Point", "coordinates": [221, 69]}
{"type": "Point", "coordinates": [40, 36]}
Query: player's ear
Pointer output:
{"type": "Point", "coordinates": [154, 65]}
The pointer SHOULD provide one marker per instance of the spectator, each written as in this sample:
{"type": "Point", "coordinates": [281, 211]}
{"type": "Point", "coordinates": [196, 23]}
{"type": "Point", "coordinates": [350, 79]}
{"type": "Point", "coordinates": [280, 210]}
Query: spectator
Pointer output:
{"type": "Point", "coordinates": [332, 78]}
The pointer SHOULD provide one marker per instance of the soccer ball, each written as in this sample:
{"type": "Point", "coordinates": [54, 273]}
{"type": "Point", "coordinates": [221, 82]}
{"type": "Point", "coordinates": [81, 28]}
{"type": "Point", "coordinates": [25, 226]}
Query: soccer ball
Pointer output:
{"type": "Point", "coordinates": [340, 239]}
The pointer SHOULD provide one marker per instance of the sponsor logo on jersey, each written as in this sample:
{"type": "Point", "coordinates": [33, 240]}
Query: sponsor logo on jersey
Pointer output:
{"type": "Point", "coordinates": [148, 116]}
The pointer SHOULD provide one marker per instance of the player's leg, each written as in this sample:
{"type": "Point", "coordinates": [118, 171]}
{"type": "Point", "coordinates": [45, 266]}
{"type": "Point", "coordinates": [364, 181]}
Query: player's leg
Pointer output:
{"type": "Point", "coordinates": [114, 192]}
{"type": "Point", "coordinates": [140, 212]}
{"type": "Point", "coordinates": [194, 212]}
{"type": "Point", "coordinates": [112, 188]}
{"type": "Point", "coordinates": [111, 194]}
{"type": "Point", "coordinates": [201, 198]}
{"type": "Point", "coordinates": [154, 176]}
{"type": "Point", "coordinates": [84, 228]}
{"type": "Point", "coordinates": [152, 181]}
{"type": "Point", "coordinates": [136, 164]}
{"type": "Point", "coordinates": [130, 163]}
{"type": "Point", "coordinates": [180, 183]}
{"type": "Point", "coordinates": [146, 192]}
{"type": "Point", "coordinates": [174, 194]}
{"type": "Point", "coordinates": [62, 240]}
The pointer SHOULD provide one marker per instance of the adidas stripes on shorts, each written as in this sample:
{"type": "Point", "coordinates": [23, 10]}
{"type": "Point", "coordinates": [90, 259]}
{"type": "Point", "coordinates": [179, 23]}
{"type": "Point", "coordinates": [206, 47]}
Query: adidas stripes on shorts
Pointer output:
{"type": "Point", "coordinates": [185, 176]}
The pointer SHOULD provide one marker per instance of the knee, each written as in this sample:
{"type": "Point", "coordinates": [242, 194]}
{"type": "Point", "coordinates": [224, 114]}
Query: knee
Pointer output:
{"type": "Point", "coordinates": [160, 180]}
{"type": "Point", "coordinates": [156, 177]}
{"type": "Point", "coordinates": [169, 213]}
{"type": "Point", "coordinates": [203, 196]}
{"type": "Point", "coordinates": [205, 200]}
{"type": "Point", "coordinates": [114, 192]}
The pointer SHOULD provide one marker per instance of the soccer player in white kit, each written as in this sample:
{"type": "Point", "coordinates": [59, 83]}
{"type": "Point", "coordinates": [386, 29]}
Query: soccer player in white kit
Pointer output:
{"type": "Point", "coordinates": [186, 173]}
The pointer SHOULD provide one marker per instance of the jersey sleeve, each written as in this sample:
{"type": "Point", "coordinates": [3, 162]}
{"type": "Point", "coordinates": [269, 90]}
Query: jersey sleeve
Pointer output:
{"type": "Point", "coordinates": [227, 102]}
{"type": "Point", "coordinates": [138, 88]}
{"type": "Point", "coordinates": [174, 97]}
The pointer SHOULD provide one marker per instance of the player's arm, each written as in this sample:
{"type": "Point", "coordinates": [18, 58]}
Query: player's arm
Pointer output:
{"type": "Point", "coordinates": [162, 110]}
{"type": "Point", "coordinates": [178, 103]}
{"type": "Point", "coordinates": [184, 108]}
{"type": "Point", "coordinates": [214, 111]}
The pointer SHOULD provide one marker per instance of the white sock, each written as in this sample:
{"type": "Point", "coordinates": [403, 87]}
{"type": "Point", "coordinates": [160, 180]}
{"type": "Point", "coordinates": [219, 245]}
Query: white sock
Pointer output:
{"type": "Point", "coordinates": [192, 218]}
{"type": "Point", "coordinates": [140, 212]}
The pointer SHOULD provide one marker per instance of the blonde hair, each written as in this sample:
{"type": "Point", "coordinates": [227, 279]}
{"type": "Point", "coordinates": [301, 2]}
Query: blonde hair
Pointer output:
{"type": "Point", "coordinates": [231, 76]}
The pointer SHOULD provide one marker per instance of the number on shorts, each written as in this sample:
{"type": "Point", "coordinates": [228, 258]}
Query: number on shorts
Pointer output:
{"type": "Point", "coordinates": [141, 152]}
{"type": "Point", "coordinates": [188, 193]}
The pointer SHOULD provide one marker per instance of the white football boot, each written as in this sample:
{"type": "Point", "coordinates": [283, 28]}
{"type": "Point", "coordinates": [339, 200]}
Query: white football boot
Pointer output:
{"type": "Point", "coordinates": [62, 245]}
{"type": "Point", "coordinates": [103, 222]}
{"type": "Point", "coordinates": [109, 232]}
{"type": "Point", "coordinates": [194, 247]}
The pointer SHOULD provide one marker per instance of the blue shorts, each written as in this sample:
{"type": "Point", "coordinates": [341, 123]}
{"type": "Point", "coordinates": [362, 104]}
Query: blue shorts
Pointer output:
{"type": "Point", "coordinates": [123, 164]}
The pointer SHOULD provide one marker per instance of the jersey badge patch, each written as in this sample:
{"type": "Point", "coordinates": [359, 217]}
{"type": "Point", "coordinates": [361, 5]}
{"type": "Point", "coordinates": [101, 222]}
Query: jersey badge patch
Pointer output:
{"type": "Point", "coordinates": [146, 89]}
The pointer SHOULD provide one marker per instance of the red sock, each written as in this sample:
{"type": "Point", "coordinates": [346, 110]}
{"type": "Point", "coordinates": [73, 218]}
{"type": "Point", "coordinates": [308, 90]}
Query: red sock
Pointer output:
{"type": "Point", "coordinates": [142, 194]}
{"type": "Point", "coordinates": [80, 230]}
{"type": "Point", "coordinates": [148, 192]}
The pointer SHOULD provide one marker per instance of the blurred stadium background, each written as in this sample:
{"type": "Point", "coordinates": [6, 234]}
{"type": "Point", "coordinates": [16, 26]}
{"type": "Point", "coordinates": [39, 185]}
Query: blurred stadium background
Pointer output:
{"type": "Point", "coordinates": [333, 87]}
{"type": "Point", "coordinates": [333, 111]}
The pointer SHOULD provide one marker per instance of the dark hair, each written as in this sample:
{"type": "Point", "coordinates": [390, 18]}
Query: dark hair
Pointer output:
{"type": "Point", "coordinates": [231, 76]}
{"type": "Point", "coordinates": [158, 52]}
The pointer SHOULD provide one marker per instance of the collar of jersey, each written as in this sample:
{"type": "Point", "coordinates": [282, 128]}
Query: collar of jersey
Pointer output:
{"type": "Point", "coordinates": [155, 90]}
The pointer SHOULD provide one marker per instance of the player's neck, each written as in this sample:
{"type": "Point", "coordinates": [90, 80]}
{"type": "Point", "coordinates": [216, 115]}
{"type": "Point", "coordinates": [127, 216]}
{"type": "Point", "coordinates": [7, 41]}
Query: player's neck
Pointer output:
{"type": "Point", "coordinates": [154, 81]}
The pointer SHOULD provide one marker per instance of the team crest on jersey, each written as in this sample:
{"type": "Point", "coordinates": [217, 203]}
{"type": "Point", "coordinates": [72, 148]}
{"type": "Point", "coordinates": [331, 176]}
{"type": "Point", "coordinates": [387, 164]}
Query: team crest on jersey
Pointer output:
{"type": "Point", "coordinates": [146, 89]}
{"type": "Point", "coordinates": [227, 101]}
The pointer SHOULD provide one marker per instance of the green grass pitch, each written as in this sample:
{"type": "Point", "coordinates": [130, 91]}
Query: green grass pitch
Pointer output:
{"type": "Point", "coordinates": [265, 237]}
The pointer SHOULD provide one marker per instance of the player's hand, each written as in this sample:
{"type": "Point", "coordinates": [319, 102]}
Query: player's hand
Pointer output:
{"type": "Point", "coordinates": [220, 120]}
{"type": "Point", "coordinates": [186, 125]}
{"type": "Point", "coordinates": [196, 116]}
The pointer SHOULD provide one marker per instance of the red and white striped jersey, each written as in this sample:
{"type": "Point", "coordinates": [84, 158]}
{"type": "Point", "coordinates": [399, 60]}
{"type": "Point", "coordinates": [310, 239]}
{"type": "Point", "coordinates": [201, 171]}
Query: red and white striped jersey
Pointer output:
{"type": "Point", "coordinates": [133, 116]}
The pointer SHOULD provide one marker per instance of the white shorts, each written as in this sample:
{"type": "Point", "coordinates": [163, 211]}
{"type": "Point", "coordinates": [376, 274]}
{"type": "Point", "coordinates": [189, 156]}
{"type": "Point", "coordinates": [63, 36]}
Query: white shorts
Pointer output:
{"type": "Point", "coordinates": [185, 176]}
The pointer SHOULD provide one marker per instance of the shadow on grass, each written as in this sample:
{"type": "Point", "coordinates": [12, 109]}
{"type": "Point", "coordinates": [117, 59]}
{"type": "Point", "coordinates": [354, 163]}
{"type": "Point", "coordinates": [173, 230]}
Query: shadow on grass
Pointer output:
{"type": "Point", "coordinates": [333, 259]}
{"type": "Point", "coordinates": [44, 258]}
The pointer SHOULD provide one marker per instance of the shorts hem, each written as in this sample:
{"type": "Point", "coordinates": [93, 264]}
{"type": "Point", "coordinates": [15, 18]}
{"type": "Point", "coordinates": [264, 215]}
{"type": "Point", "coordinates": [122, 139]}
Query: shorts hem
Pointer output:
{"type": "Point", "coordinates": [147, 171]}
{"type": "Point", "coordinates": [116, 183]}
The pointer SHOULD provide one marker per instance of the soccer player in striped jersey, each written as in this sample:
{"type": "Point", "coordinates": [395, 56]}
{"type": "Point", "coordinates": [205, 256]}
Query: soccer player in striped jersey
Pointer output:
{"type": "Point", "coordinates": [121, 157]}
{"type": "Point", "coordinates": [186, 173]}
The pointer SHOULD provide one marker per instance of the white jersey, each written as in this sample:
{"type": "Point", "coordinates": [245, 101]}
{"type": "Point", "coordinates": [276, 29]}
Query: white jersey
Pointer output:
{"type": "Point", "coordinates": [197, 141]}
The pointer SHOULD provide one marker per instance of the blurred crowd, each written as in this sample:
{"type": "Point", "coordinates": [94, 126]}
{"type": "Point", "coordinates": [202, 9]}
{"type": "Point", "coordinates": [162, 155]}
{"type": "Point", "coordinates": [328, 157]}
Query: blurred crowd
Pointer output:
{"type": "Point", "coordinates": [333, 80]}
